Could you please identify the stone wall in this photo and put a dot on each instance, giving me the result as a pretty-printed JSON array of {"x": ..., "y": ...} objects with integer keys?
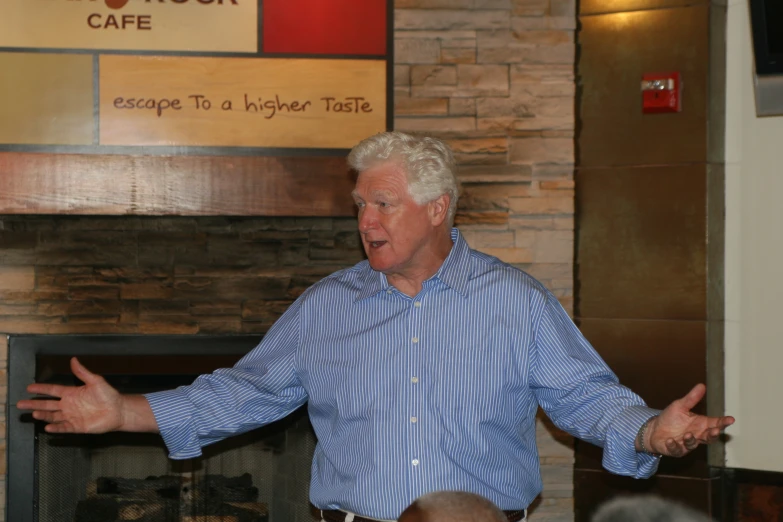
[
  {"x": 182, "y": 275},
  {"x": 494, "y": 78}
]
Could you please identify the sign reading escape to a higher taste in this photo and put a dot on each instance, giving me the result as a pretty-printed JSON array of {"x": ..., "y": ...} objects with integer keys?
[
  {"x": 245, "y": 102},
  {"x": 149, "y": 25}
]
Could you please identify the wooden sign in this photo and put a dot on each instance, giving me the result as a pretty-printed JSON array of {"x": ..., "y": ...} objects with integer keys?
[
  {"x": 115, "y": 79},
  {"x": 247, "y": 102}
]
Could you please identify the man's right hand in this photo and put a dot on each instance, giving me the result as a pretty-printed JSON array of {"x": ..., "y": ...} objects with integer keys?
[{"x": 95, "y": 407}]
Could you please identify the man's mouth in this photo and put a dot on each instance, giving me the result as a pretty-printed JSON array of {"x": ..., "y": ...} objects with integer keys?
[{"x": 376, "y": 244}]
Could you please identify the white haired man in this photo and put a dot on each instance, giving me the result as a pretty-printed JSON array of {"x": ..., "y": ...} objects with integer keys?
[
  {"x": 646, "y": 508},
  {"x": 423, "y": 366}
]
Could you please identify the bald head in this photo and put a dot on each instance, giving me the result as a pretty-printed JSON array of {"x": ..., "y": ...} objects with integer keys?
[
  {"x": 646, "y": 508},
  {"x": 452, "y": 506}
]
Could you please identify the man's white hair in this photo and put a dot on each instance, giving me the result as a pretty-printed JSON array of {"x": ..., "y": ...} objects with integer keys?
[
  {"x": 458, "y": 506},
  {"x": 428, "y": 163},
  {"x": 646, "y": 508}
]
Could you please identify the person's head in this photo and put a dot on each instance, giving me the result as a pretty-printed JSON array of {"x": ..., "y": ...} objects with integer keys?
[
  {"x": 646, "y": 508},
  {"x": 406, "y": 192},
  {"x": 452, "y": 506}
]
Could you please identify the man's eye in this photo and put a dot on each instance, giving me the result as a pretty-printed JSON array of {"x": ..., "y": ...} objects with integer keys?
[
  {"x": 383, "y": 204},
  {"x": 360, "y": 204}
]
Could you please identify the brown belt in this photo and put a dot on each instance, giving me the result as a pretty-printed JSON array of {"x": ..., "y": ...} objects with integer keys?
[{"x": 334, "y": 515}]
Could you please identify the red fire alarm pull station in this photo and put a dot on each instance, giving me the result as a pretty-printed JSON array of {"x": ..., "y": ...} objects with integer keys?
[{"x": 661, "y": 92}]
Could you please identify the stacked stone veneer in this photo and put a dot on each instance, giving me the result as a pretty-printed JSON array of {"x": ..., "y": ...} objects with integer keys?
[
  {"x": 492, "y": 77},
  {"x": 495, "y": 79}
]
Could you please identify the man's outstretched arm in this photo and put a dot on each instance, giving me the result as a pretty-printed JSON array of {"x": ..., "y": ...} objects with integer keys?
[
  {"x": 95, "y": 407},
  {"x": 583, "y": 397}
]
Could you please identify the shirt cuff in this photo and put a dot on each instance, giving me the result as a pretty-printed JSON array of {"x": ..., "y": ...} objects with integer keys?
[
  {"x": 174, "y": 414},
  {"x": 620, "y": 455}
]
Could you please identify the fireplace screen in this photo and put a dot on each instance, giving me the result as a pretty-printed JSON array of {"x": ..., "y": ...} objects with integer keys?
[{"x": 261, "y": 476}]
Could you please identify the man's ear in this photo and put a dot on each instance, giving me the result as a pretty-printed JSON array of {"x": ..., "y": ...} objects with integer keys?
[{"x": 439, "y": 209}]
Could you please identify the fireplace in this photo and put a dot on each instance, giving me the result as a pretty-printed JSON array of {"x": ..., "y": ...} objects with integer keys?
[{"x": 261, "y": 476}]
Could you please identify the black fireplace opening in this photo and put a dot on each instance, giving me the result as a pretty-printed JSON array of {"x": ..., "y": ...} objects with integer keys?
[{"x": 260, "y": 476}]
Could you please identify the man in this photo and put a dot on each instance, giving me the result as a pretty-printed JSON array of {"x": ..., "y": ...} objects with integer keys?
[
  {"x": 423, "y": 367},
  {"x": 452, "y": 506}
]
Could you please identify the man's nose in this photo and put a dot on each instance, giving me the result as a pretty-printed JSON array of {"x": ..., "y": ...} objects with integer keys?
[{"x": 367, "y": 220}]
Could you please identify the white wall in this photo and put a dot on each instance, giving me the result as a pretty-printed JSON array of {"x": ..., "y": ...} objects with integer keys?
[{"x": 754, "y": 262}]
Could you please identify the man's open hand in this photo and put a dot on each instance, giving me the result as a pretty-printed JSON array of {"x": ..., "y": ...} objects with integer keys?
[
  {"x": 677, "y": 430},
  {"x": 95, "y": 407}
]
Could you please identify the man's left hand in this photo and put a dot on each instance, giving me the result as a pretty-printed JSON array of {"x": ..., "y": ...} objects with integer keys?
[{"x": 677, "y": 431}]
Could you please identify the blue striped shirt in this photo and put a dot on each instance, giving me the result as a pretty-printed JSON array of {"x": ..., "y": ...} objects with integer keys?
[{"x": 409, "y": 395}]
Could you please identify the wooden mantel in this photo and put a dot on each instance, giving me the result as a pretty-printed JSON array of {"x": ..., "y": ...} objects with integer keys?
[{"x": 40, "y": 183}]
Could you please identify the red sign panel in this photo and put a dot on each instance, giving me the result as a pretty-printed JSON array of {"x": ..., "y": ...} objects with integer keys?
[{"x": 325, "y": 26}]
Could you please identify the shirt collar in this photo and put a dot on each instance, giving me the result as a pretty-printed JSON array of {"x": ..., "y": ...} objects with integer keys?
[
  {"x": 454, "y": 272},
  {"x": 371, "y": 282}
]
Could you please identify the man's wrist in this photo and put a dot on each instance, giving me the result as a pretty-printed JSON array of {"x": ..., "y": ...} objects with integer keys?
[
  {"x": 643, "y": 437},
  {"x": 136, "y": 415}
]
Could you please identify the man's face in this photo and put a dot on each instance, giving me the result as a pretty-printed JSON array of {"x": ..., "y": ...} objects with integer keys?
[{"x": 395, "y": 230}]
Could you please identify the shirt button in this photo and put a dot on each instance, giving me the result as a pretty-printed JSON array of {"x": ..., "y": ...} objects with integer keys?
[
  {"x": 389, "y": 291},
  {"x": 415, "y": 462},
  {"x": 415, "y": 340},
  {"x": 414, "y": 380},
  {"x": 417, "y": 304},
  {"x": 414, "y": 420}
]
